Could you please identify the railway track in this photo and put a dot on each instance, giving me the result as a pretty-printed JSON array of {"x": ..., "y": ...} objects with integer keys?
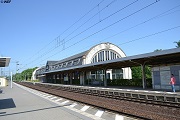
[{"x": 140, "y": 108}]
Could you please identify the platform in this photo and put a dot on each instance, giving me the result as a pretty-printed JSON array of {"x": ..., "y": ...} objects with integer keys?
[
  {"x": 24, "y": 103},
  {"x": 19, "y": 104}
]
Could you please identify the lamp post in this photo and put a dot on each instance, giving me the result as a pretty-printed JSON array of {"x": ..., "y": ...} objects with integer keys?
[
  {"x": 11, "y": 80},
  {"x": 17, "y": 63}
]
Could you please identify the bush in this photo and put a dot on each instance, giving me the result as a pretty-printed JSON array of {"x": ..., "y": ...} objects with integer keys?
[
  {"x": 76, "y": 82},
  {"x": 127, "y": 82}
]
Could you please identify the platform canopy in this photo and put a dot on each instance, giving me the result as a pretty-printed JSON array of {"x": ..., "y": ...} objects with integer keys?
[{"x": 4, "y": 61}]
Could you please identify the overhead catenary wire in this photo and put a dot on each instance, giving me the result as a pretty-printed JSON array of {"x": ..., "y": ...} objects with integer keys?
[
  {"x": 163, "y": 31},
  {"x": 91, "y": 18},
  {"x": 63, "y": 40},
  {"x": 95, "y": 23},
  {"x": 67, "y": 29},
  {"x": 150, "y": 35},
  {"x": 153, "y": 18},
  {"x": 103, "y": 20},
  {"x": 82, "y": 17},
  {"x": 104, "y": 28},
  {"x": 165, "y": 13}
]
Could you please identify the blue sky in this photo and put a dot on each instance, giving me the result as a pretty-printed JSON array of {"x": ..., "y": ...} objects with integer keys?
[{"x": 34, "y": 31}]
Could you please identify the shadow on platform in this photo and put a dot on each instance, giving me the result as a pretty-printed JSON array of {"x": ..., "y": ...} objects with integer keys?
[
  {"x": 35, "y": 110},
  {"x": 7, "y": 103}
]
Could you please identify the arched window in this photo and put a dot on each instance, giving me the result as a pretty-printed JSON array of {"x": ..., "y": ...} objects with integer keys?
[{"x": 105, "y": 55}]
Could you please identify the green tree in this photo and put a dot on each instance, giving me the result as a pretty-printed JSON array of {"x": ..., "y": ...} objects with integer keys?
[
  {"x": 137, "y": 72},
  {"x": 178, "y": 43},
  {"x": 24, "y": 75},
  {"x": 157, "y": 50}
]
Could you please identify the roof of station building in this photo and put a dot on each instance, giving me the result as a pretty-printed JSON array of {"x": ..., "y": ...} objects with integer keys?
[
  {"x": 72, "y": 57},
  {"x": 158, "y": 58},
  {"x": 51, "y": 62},
  {"x": 79, "y": 55}
]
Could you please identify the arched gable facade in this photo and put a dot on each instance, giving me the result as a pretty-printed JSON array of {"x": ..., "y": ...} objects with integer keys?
[
  {"x": 107, "y": 49},
  {"x": 104, "y": 52}
]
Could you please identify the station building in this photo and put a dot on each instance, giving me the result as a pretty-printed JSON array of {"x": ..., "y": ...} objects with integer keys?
[
  {"x": 107, "y": 61},
  {"x": 61, "y": 72}
]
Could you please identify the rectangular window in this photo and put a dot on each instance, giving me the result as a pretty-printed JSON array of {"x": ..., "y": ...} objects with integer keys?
[
  {"x": 119, "y": 76},
  {"x": 98, "y": 76},
  {"x": 93, "y": 61},
  {"x": 75, "y": 62},
  {"x": 113, "y": 76},
  {"x": 113, "y": 56},
  {"x": 54, "y": 76},
  {"x": 60, "y": 65},
  {"x": 107, "y": 55},
  {"x": 102, "y": 55},
  {"x": 99, "y": 57},
  {"x": 93, "y": 77},
  {"x": 57, "y": 67},
  {"x": 57, "y": 76},
  {"x": 65, "y": 64},
  {"x": 69, "y": 63}
]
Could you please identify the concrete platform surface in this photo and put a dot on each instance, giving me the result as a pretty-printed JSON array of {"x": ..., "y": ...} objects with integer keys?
[
  {"x": 23, "y": 103},
  {"x": 19, "y": 104}
]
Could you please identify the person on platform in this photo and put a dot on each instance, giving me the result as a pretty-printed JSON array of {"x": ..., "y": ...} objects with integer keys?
[{"x": 173, "y": 82}]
